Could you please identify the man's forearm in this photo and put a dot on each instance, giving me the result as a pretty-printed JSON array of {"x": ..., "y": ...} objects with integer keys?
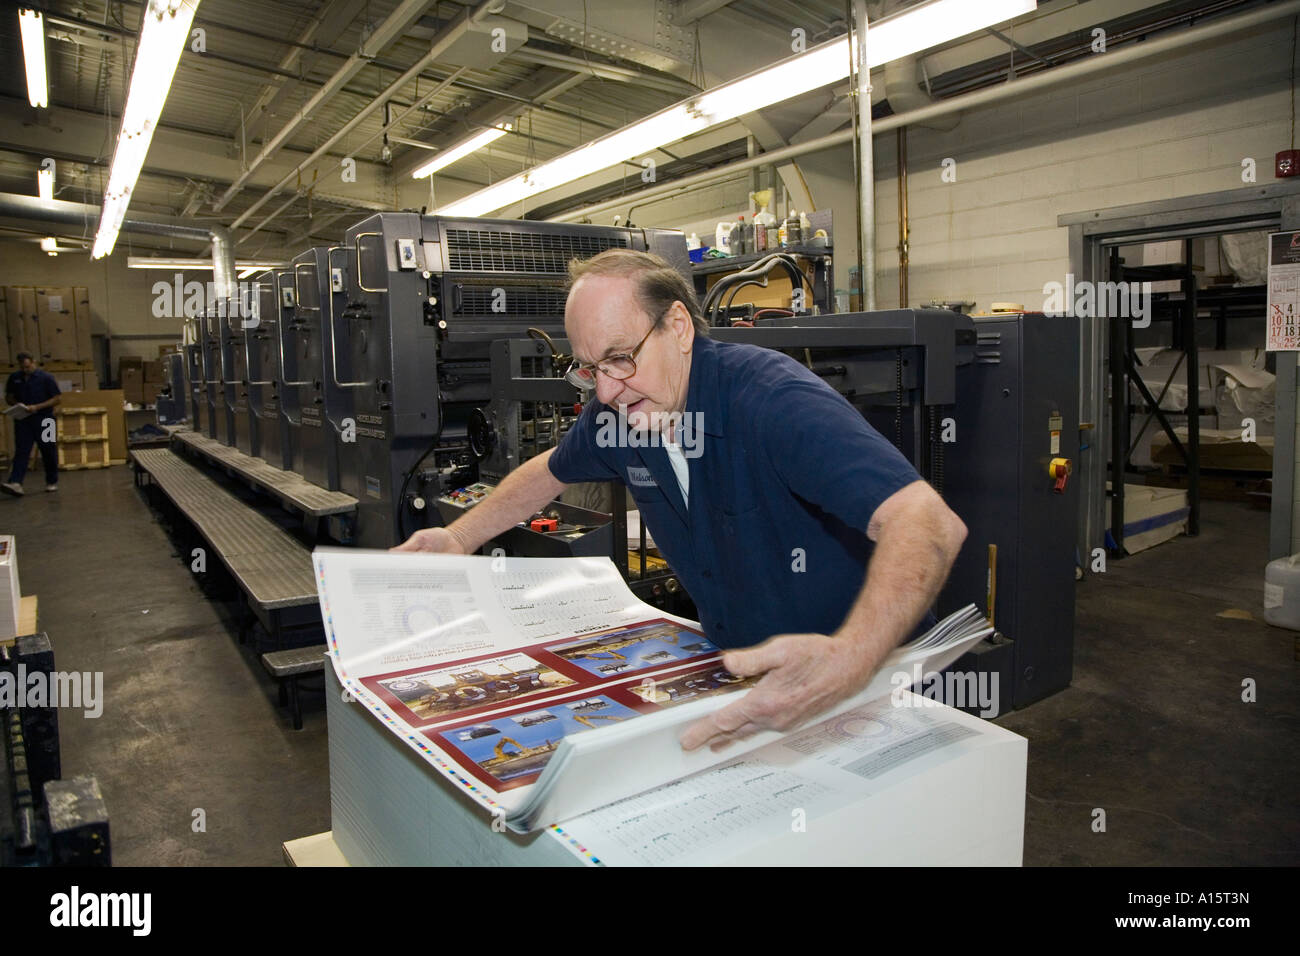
[
  {"x": 519, "y": 496},
  {"x": 910, "y": 563}
]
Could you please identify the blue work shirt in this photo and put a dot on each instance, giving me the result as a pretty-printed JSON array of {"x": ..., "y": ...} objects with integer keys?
[
  {"x": 787, "y": 478},
  {"x": 32, "y": 389}
]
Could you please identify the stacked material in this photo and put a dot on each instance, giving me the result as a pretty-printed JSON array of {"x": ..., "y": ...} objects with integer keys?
[{"x": 9, "y": 592}]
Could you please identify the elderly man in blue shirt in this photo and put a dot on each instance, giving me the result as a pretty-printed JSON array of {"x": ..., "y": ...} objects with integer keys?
[
  {"x": 30, "y": 392},
  {"x": 810, "y": 545}
]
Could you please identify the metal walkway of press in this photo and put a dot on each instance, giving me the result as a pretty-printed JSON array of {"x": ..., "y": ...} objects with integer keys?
[
  {"x": 270, "y": 566},
  {"x": 268, "y": 562},
  {"x": 314, "y": 504}
]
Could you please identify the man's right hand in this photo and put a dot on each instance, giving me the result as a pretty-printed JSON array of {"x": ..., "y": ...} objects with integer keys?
[{"x": 440, "y": 540}]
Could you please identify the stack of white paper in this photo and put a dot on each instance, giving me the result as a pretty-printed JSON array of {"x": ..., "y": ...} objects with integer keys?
[
  {"x": 539, "y": 689},
  {"x": 9, "y": 591}
]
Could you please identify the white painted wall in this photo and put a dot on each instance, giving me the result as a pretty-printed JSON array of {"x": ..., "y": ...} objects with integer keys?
[
  {"x": 1170, "y": 126},
  {"x": 121, "y": 299}
]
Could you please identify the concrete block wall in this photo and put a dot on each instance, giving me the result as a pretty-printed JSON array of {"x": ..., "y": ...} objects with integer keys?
[
  {"x": 1174, "y": 125},
  {"x": 121, "y": 299}
]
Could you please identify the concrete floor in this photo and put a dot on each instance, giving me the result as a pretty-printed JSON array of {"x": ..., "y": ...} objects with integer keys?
[
  {"x": 190, "y": 717},
  {"x": 1153, "y": 729}
]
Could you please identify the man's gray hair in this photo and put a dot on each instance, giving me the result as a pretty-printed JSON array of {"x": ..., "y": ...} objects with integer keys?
[{"x": 658, "y": 284}]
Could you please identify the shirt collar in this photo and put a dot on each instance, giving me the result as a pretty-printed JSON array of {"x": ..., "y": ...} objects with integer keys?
[{"x": 702, "y": 393}]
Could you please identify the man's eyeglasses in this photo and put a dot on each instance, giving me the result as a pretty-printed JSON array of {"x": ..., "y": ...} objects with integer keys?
[{"x": 618, "y": 367}]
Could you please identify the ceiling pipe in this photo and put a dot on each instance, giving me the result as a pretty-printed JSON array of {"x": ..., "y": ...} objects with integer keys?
[
  {"x": 80, "y": 214},
  {"x": 1030, "y": 84},
  {"x": 605, "y": 71}
]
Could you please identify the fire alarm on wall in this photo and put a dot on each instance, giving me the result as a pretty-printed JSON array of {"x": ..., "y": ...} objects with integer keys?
[{"x": 1287, "y": 163}]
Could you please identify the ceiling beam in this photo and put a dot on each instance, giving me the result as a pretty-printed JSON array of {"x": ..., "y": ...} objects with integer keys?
[
  {"x": 407, "y": 12},
  {"x": 687, "y": 12}
]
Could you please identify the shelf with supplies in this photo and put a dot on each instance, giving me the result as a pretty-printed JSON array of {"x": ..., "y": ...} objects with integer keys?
[{"x": 815, "y": 261}]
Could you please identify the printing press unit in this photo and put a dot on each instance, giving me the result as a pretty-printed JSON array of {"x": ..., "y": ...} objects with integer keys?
[
  {"x": 321, "y": 387},
  {"x": 196, "y": 388},
  {"x": 173, "y": 399},
  {"x": 381, "y": 354},
  {"x": 986, "y": 410},
  {"x": 440, "y": 342},
  {"x": 427, "y": 296},
  {"x": 266, "y": 420}
]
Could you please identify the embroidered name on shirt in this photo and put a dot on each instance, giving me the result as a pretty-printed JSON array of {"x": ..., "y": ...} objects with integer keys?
[{"x": 641, "y": 477}]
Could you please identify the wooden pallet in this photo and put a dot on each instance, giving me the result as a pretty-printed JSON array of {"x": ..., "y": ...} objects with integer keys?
[{"x": 83, "y": 438}]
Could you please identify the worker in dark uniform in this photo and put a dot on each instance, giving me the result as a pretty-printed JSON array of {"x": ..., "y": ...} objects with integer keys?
[
  {"x": 34, "y": 391},
  {"x": 793, "y": 524}
]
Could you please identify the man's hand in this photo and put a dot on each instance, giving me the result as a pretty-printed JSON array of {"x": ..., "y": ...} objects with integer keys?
[
  {"x": 803, "y": 675},
  {"x": 441, "y": 540}
]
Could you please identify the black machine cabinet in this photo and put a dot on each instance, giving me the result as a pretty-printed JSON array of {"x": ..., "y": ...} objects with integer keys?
[
  {"x": 262, "y": 348},
  {"x": 426, "y": 297},
  {"x": 324, "y": 398},
  {"x": 174, "y": 399},
  {"x": 234, "y": 379},
  {"x": 294, "y": 372},
  {"x": 1017, "y": 413},
  {"x": 219, "y": 421},
  {"x": 982, "y": 408},
  {"x": 197, "y": 389}
]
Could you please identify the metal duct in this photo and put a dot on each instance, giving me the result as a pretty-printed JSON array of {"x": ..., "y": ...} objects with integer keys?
[{"x": 80, "y": 214}]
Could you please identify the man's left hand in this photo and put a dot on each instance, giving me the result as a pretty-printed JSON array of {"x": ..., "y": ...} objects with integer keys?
[{"x": 803, "y": 675}]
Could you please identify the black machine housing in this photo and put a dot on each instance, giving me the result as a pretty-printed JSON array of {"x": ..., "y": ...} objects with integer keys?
[
  {"x": 981, "y": 407},
  {"x": 427, "y": 295},
  {"x": 322, "y": 388}
]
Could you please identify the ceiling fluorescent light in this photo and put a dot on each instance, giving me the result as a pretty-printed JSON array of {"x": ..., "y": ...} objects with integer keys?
[
  {"x": 45, "y": 183},
  {"x": 461, "y": 150},
  {"x": 51, "y": 245},
  {"x": 918, "y": 28},
  {"x": 32, "y": 27},
  {"x": 163, "y": 33},
  {"x": 173, "y": 263}
]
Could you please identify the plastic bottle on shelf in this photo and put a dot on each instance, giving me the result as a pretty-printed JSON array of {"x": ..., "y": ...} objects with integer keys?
[
  {"x": 722, "y": 237},
  {"x": 764, "y": 222},
  {"x": 793, "y": 230},
  {"x": 692, "y": 241},
  {"x": 805, "y": 227},
  {"x": 738, "y": 237}
]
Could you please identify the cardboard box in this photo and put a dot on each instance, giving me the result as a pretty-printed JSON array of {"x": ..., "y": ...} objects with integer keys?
[
  {"x": 58, "y": 338},
  {"x": 56, "y": 317},
  {"x": 81, "y": 316},
  {"x": 133, "y": 384},
  {"x": 151, "y": 390},
  {"x": 54, "y": 300},
  {"x": 20, "y": 318},
  {"x": 9, "y": 589},
  {"x": 76, "y": 381},
  {"x": 5, "y": 357},
  {"x": 68, "y": 381},
  {"x": 153, "y": 371}
]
